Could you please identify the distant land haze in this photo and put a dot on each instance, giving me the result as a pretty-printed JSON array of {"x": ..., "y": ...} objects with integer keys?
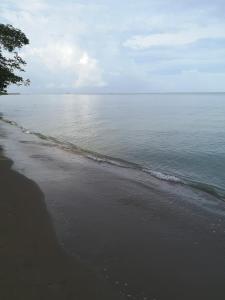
[{"x": 113, "y": 93}]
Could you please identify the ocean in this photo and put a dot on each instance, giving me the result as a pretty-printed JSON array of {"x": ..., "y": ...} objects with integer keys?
[
  {"x": 145, "y": 237},
  {"x": 174, "y": 137}
]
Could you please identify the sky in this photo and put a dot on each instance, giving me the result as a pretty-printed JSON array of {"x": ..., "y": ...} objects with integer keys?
[{"x": 106, "y": 46}]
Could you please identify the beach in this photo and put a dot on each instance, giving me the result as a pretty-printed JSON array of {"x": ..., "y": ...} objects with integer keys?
[
  {"x": 33, "y": 265},
  {"x": 81, "y": 229},
  {"x": 112, "y": 150}
]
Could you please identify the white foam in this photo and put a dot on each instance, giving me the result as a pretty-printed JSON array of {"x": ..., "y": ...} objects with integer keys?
[
  {"x": 162, "y": 176},
  {"x": 104, "y": 160}
]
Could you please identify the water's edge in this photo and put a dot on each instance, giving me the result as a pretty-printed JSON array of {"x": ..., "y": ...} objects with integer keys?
[{"x": 100, "y": 158}]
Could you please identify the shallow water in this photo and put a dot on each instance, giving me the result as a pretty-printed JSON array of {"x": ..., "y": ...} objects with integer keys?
[
  {"x": 149, "y": 239},
  {"x": 181, "y": 135}
]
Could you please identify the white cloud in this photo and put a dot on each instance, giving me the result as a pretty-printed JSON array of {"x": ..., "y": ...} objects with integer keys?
[
  {"x": 89, "y": 73},
  {"x": 82, "y": 45},
  {"x": 185, "y": 37},
  {"x": 54, "y": 41},
  {"x": 70, "y": 59},
  {"x": 55, "y": 55},
  {"x": 32, "y": 6}
]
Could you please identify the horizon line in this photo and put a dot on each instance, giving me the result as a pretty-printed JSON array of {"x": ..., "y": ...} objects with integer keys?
[{"x": 110, "y": 93}]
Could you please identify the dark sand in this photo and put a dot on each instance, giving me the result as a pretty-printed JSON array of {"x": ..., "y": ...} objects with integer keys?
[
  {"x": 149, "y": 239},
  {"x": 32, "y": 264}
]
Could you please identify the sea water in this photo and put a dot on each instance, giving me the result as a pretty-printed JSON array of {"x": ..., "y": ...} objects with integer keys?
[{"x": 176, "y": 137}]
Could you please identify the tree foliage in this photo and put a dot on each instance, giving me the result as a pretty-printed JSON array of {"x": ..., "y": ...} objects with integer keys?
[{"x": 11, "y": 63}]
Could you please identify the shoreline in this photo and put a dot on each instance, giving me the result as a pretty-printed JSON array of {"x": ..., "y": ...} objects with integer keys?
[
  {"x": 148, "y": 239},
  {"x": 209, "y": 188},
  {"x": 33, "y": 265}
]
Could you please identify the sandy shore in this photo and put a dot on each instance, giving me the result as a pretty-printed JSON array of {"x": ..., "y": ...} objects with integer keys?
[
  {"x": 147, "y": 238},
  {"x": 32, "y": 264}
]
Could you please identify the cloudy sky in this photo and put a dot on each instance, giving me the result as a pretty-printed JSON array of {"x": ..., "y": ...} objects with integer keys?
[{"x": 121, "y": 46}]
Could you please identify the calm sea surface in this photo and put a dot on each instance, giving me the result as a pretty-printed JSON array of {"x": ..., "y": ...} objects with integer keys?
[{"x": 181, "y": 135}]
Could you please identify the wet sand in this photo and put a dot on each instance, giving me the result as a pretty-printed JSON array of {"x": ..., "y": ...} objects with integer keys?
[
  {"x": 147, "y": 238},
  {"x": 32, "y": 264}
]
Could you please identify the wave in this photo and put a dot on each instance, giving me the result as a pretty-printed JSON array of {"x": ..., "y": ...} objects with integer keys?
[
  {"x": 163, "y": 176},
  {"x": 100, "y": 158}
]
